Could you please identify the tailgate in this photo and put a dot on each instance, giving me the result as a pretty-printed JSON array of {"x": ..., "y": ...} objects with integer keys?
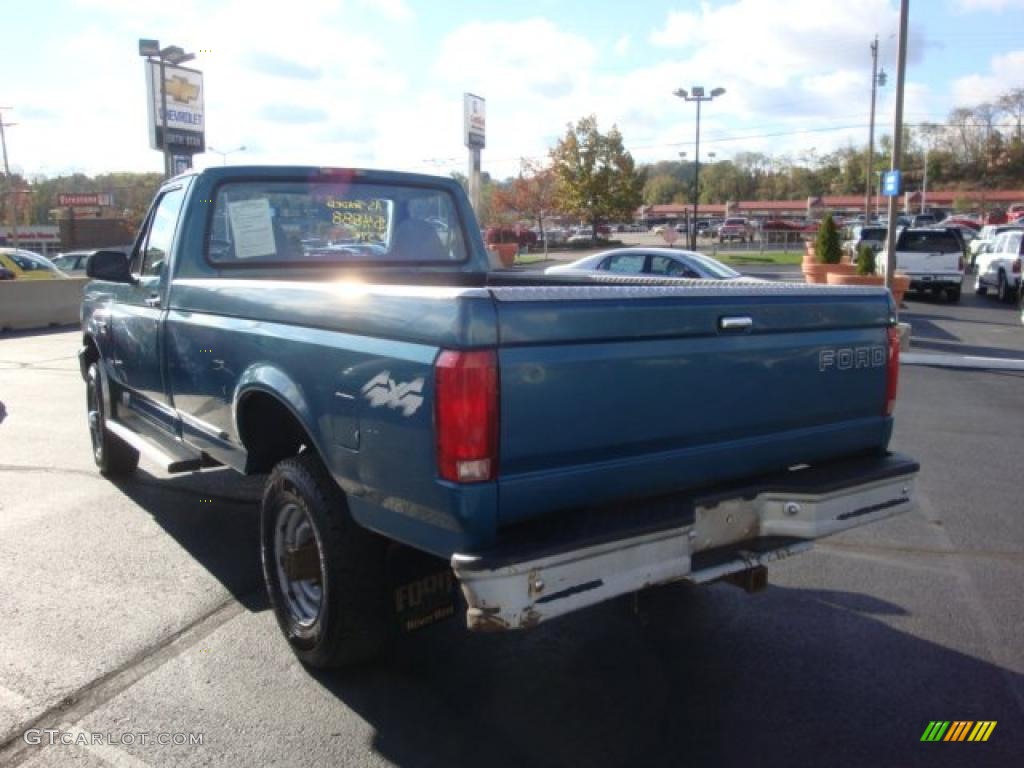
[
  {"x": 927, "y": 263},
  {"x": 614, "y": 392}
]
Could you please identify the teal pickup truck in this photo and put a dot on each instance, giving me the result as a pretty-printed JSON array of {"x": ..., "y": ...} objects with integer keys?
[{"x": 440, "y": 435}]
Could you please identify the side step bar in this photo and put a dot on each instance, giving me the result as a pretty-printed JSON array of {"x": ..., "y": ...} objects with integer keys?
[{"x": 169, "y": 454}]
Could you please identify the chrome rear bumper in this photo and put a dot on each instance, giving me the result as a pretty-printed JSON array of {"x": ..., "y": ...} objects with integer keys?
[{"x": 724, "y": 535}]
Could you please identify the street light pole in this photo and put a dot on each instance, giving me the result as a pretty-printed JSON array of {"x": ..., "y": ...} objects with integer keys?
[
  {"x": 697, "y": 94},
  {"x": 224, "y": 155}
]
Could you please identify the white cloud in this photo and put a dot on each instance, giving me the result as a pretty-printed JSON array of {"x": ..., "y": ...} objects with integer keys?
[
  {"x": 681, "y": 28},
  {"x": 622, "y": 45},
  {"x": 969, "y": 6},
  {"x": 1005, "y": 72},
  {"x": 395, "y": 10}
]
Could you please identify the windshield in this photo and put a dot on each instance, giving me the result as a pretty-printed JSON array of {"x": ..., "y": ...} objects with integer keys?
[
  {"x": 304, "y": 222},
  {"x": 716, "y": 268},
  {"x": 29, "y": 261}
]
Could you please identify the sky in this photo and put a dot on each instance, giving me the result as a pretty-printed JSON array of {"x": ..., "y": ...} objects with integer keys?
[{"x": 380, "y": 83}]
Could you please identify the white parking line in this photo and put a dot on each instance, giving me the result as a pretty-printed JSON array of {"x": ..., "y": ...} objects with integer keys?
[
  {"x": 962, "y": 361},
  {"x": 109, "y": 754}
]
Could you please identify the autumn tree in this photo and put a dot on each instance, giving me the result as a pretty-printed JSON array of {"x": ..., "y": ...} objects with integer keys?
[
  {"x": 530, "y": 196},
  {"x": 596, "y": 178}
]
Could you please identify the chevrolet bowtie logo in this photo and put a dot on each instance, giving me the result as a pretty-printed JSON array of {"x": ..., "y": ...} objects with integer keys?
[{"x": 180, "y": 89}]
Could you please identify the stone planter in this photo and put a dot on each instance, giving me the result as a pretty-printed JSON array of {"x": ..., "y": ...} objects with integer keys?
[
  {"x": 839, "y": 278},
  {"x": 507, "y": 252},
  {"x": 818, "y": 273},
  {"x": 900, "y": 286}
]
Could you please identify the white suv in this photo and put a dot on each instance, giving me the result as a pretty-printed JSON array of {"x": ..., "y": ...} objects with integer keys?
[{"x": 999, "y": 265}]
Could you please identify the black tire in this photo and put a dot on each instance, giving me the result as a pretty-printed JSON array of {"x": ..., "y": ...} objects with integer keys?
[
  {"x": 1003, "y": 292},
  {"x": 353, "y": 621},
  {"x": 112, "y": 455},
  {"x": 953, "y": 294}
]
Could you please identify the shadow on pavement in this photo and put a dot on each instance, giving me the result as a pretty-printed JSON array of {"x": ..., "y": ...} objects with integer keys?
[
  {"x": 48, "y": 331},
  {"x": 957, "y": 348},
  {"x": 700, "y": 677},
  {"x": 214, "y": 516}
]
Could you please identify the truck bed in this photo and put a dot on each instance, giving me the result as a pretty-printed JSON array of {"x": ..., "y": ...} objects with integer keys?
[{"x": 611, "y": 388}]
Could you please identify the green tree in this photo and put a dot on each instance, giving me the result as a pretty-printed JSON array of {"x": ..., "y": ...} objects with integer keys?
[
  {"x": 597, "y": 178},
  {"x": 827, "y": 247},
  {"x": 664, "y": 188}
]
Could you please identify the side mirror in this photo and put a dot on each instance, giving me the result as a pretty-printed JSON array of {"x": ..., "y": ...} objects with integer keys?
[{"x": 111, "y": 266}]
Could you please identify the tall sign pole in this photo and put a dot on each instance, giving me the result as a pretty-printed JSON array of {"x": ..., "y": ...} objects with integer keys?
[
  {"x": 897, "y": 147},
  {"x": 475, "y": 136},
  {"x": 12, "y": 199}
]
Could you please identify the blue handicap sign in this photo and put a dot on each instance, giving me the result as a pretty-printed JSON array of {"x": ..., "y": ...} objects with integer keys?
[{"x": 892, "y": 184}]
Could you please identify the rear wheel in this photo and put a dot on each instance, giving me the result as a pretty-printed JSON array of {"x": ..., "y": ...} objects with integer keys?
[
  {"x": 324, "y": 573},
  {"x": 1003, "y": 290},
  {"x": 112, "y": 455}
]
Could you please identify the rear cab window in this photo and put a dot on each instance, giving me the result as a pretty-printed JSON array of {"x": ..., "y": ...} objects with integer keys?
[
  {"x": 928, "y": 242},
  {"x": 306, "y": 223}
]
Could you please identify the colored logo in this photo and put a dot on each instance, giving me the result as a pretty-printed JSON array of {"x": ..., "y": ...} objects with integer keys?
[
  {"x": 958, "y": 730},
  {"x": 180, "y": 89}
]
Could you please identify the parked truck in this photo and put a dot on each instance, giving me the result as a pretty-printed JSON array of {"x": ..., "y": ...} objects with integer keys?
[{"x": 440, "y": 436}]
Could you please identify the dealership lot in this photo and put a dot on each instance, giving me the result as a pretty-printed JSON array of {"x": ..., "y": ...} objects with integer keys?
[{"x": 137, "y": 608}]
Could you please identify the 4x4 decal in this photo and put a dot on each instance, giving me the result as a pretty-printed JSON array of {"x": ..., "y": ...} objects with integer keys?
[{"x": 383, "y": 390}]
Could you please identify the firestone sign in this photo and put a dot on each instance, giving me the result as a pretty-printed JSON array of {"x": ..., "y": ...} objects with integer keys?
[
  {"x": 84, "y": 199},
  {"x": 186, "y": 125}
]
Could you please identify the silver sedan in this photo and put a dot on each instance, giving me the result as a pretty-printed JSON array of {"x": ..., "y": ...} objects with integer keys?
[{"x": 649, "y": 262}]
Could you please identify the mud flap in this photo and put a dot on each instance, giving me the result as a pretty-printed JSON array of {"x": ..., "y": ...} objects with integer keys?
[{"x": 422, "y": 587}]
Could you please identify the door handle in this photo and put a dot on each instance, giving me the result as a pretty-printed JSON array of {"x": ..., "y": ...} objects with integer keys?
[
  {"x": 152, "y": 300},
  {"x": 735, "y": 323}
]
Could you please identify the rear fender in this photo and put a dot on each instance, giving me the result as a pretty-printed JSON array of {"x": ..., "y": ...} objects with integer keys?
[{"x": 271, "y": 380}]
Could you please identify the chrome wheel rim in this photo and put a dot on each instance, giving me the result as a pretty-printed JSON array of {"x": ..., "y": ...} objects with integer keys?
[
  {"x": 95, "y": 417},
  {"x": 303, "y": 597}
]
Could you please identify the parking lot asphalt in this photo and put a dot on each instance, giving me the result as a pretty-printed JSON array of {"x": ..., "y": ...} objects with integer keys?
[{"x": 137, "y": 607}]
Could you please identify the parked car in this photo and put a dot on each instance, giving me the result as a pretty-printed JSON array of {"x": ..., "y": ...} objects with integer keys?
[
  {"x": 650, "y": 262},
  {"x": 872, "y": 236},
  {"x": 999, "y": 266},
  {"x": 986, "y": 236},
  {"x": 74, "y": 262},
  {"x": 735, "y": 229},
  {"x": 932, "y": 257},
  {"x": 29, "y": 265}
]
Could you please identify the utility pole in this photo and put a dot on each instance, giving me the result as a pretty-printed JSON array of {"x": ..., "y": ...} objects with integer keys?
[
  {"x": 897, "y": 143},
  {"x": 868, "y": 184},
  {"x": 924, "y": 180},
  {"x": 12, "y": 208}
]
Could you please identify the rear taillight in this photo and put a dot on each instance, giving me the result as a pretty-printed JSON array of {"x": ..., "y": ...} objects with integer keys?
[
  {"x": 466, "y": 411},
  {"x": 892, "y": 370},
  {"x": 1016, "y": 266}
]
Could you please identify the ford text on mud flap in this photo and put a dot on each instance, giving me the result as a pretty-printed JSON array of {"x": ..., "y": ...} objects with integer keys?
[{"x": 701, "y": 539}]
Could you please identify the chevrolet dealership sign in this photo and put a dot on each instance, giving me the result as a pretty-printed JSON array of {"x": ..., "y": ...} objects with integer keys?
[{"x": 186, "y": 119}]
